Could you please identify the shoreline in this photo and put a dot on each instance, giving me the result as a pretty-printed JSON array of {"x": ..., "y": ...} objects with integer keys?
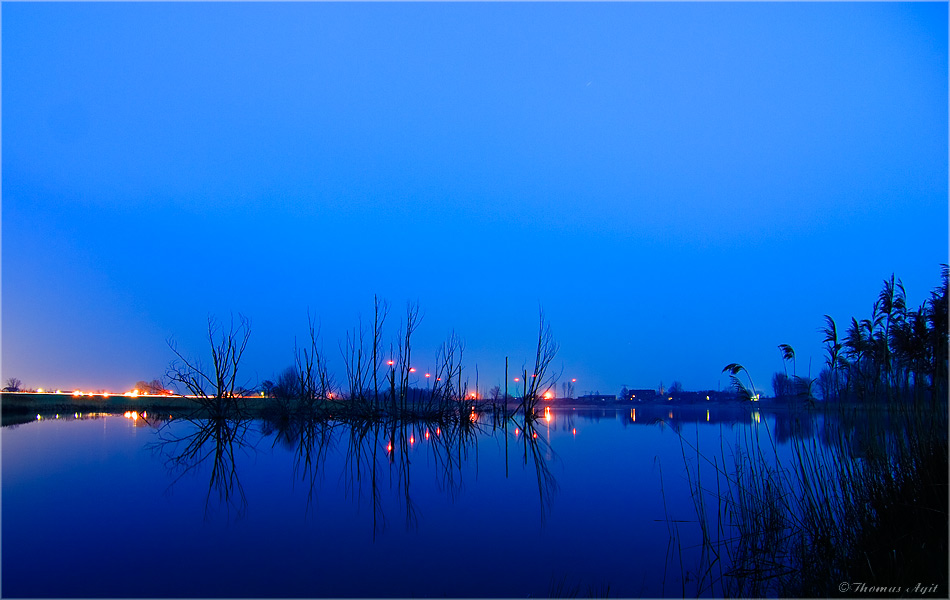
[{"x": 22, "y": 407}]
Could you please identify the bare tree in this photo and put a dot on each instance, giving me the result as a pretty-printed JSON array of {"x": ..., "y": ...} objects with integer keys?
[
  {"x": 362, "y": 364},
  {"x": 214, "y": 387},
  {"x": 354, "y": 360},
  {"x": 380, "y": 310},
  {"x": 540, "y": 378},
  {"x": 405, "y": 352},
  {"x": 153, "y": 387},
  {"x": 448, "y": 369},
  {"x": 314, "y": 382},
  {"x": 12, "y": 385}
]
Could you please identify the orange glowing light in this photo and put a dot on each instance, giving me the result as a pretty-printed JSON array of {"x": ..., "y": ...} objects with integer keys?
[
  {"x": 516, "y": 431},
  {"x": 412, "y": 369},
  {"x": 427, "y": 434},
  {"x": 548, "y": 395},
  {"x": 389, "y": 447},
  {"x": 574, "y": 431},
  {"x": 573, "y": 381},
  {"x": 535, "y": 436},
  {"x": 412, "y": 439},
  {"x": 77, "y": 393},
  {"x": 438, "y": 431},
  {"x": 390, "y": 363},
  {"x": 427, "y": 375},
  {"x": 517, "y": 379}
]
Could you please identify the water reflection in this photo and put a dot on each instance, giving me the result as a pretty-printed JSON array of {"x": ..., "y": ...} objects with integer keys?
[
  {"x": 537, "y": 453},
  {"x": 323, "y": 487},
  {"x": 215, "y": 441},
  {"x": 309, "y": 439},
  {"x": 380, "y": 454}
]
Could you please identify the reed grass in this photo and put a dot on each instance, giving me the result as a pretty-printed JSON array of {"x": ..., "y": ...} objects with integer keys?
[{"x": 848, "y": 508}]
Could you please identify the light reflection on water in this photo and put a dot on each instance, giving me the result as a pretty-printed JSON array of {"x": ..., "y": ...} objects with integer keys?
[{"x": 298, "y": 508}]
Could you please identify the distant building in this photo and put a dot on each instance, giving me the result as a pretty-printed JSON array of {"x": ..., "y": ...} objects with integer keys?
[
  {"x": 640, "y": 396},
  {"x": 679, "y": 396},
  {"x": 597, "y": 398}
]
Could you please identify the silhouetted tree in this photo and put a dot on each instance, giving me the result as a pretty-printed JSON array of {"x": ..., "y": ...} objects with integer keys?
[
  {"x": 149, "y": 387},
  {"x": 267, "y": 388},
  {"x": 287, "y": 386},
  {"x": 12, "y": 385},
  {"x": 539, "y": 379},
  {"x": 781, "y": 385},
  {"x": 215, "y": 387}
]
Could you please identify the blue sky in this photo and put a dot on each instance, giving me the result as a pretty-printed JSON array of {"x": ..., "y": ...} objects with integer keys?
[{"x": 680, "y": 186}]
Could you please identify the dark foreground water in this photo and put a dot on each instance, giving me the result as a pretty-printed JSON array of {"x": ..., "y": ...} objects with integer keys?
[{"x": 111, "y": 506}]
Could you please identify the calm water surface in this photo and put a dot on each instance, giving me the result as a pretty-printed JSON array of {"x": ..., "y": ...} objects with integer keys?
[{"x": 111, "y": 506}]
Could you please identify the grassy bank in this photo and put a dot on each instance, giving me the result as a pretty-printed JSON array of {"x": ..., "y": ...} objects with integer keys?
[{"x": 23, "y": 407}]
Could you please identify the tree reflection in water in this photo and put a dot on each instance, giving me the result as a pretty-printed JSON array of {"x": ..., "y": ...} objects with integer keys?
[
  {"x": 536, "y": 452},
  {"x": 214, "y": 440},
  {"x": 379, "y": 454},
  {"x": 309, "y": 438},
  {"x": 380, "y": 451}
]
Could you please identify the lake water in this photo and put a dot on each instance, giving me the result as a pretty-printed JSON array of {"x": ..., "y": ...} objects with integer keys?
[{"x": 112, "y": 506}]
